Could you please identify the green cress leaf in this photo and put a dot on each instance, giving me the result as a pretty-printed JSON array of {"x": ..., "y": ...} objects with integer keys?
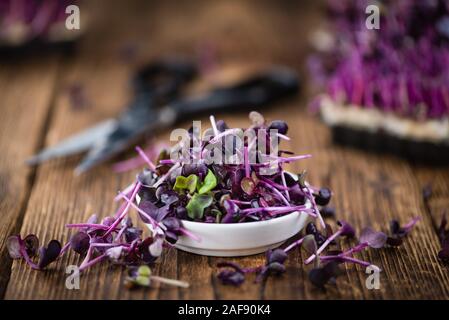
[
  {"x": 189, "y": 183},
  {"x": 143, "y": 281},
  {"x": 144, "y": 271},
  {"x": 210, "y": 182},
  {"x": 192, "y": 182},
  {"x": 199, "y": 202},
  {"x": 180, "y": 184}
]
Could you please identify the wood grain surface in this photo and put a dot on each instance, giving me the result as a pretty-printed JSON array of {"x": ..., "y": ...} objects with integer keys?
[{"x": 36, "y": 111}]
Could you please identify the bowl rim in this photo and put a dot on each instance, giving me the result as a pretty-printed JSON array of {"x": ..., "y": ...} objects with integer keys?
[{"x": 241, "y": 224}]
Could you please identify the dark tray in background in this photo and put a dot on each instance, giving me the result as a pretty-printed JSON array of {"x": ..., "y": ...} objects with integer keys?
[{"x": 382, "y": 142}]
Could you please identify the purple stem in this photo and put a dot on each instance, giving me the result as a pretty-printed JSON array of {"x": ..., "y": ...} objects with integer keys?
[
  {"x": 120, "y": 233},
  {"x": 315, "y": 207},
  {"x": 110, "y": 245},
  {"x": 64, "y": 249},
  {"x": 145, "y": 158},
  {"x": 287, "y": 194},
  {"x": 305, "y": 210},
  {"x": 92, "y": 262},
  {"x": 240, "y": 202},
  {"x": 87, "y": 257},
  {"x": 167, "y": 161},
  {"x": 127, "y": 191},
  {"x": 274, "y": 184},
  {"x": 347, "y": 259},
  {"x": 87, "y": 225},
  {"x": 295, "y": 158},
  {"x": 190, "y": 235},
  {"x": 323, "y": 246},
  {"x": 308, "y": 211},
  {"x": 223, "y": 134},
  {"x": 27, "y": 257},
  {"x": 165, "y": 176},
  {"x": 276, "y": 192},
  {"x": 294, "y": 244},
  {"x": 121, "y": 208},
  {"x": 355, "y": 249},
  {"x": 410, "y": 225},
  {"x": 137, "y": 161},
  {"x": 277, "y": 210},
  {"x": 123, "y": 214},
  {"x": 282, "y": 136},
  {"x": 153, "y": 222}
]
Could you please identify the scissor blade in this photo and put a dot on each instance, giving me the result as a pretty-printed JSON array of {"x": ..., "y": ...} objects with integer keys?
[
  {"x": 106, "y": 149},
  {"x": 130, "y": 127},
  {"x": 76, "y": 143}
]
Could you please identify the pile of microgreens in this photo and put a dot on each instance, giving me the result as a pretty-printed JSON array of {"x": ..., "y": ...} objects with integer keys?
[
  {"x": 170, "y": 191},
  {"x": 402, "y": 69},
  {"x": 27, "y": 20}
]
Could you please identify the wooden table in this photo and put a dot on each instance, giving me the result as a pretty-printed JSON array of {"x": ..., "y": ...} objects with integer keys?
[{"x": 36, "y": 111}]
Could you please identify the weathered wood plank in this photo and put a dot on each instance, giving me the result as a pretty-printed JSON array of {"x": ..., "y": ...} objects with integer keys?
[{"x": 26, "y": 92}]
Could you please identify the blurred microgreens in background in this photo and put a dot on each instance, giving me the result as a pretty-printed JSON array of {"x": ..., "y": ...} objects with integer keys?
[
  {"x": 23, "y": 21},
  {"x": 400, "y": 69}
]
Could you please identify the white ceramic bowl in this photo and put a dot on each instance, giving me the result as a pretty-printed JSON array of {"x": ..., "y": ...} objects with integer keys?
[{"x": 240, "y": 239}]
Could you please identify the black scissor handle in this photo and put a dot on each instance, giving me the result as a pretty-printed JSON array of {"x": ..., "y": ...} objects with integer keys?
[
  {"x": 257, "y": 91},
  {"x": 164, "y": 78}
]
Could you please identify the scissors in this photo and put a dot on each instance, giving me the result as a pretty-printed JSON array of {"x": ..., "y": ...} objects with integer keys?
[{"x": 158, "y": 103}]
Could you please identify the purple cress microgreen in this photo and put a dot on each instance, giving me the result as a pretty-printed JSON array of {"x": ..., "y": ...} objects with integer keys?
[
  {"x": 320, "y": 276},
  {"x": 145, "y": 158},
  {"x": 28, "y": 247},
  {"x": 294, "y": 244},
  {"x": 372, "y": 238},
  {"x": 345, "y": 230},
  {"x": 231, "y": 274},
  {"x": 401, "y": 231}
]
